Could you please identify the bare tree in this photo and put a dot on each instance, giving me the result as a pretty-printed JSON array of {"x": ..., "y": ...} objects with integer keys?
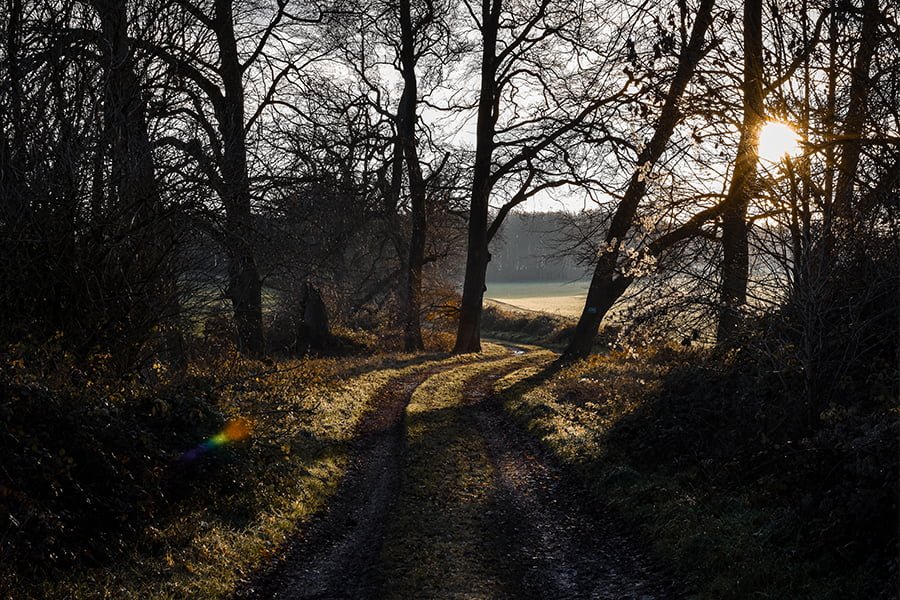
[
  {"x": 523, "y": 149},
  {"x": 414, "y": 40},
  {"x": 87, "y": 224},
  {"x": 830, "y": 300},
  {"x": 607, "y": 284},
  {"x": 406, "y": 132},
  {"x": 215, "y": 98},
  {"x": 854, "y": 121},
  {"x": 735, "y": 260}
]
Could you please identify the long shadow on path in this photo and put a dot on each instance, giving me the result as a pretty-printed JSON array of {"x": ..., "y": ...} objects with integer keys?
[
  {"x": 333, "y": 557},
  {"x": 560, "y": 541}
]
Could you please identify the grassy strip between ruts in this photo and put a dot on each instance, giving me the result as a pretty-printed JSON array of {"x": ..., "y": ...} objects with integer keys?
[
  {"x": 304, "y": 413},
  {"x": 720, "y": 541},
  {"x": 437, "y": 541}
]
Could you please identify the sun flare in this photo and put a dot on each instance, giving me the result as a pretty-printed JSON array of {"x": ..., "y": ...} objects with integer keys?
[{"x": 777, "y": 140}]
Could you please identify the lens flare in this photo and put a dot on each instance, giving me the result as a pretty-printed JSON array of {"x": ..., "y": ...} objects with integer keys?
[{"x": 234, "y": 431}]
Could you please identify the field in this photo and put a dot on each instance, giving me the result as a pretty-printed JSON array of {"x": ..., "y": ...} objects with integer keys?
[{"x": 564, "y": 298}]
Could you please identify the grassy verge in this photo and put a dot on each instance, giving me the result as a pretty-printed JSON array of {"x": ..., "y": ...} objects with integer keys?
[
  {"x": 536, "y": 328},
  {"x": 437, "y": 543},
  {"x": 527, "y": 327},
  {"x": 687, "y": 452},
  {"x": 193, "y": 523}
]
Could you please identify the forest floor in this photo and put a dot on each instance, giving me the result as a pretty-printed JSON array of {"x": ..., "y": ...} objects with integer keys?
[
  {"x": 641, "y": 475},
  {"x": 447, "y": 496}
]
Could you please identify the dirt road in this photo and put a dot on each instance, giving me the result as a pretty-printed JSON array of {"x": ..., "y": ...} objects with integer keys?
[{"x": 446, "y": 497}]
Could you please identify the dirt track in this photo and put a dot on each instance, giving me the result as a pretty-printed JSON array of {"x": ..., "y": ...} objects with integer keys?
[
  {"x": 538, "y": 536},
  {"x": 563, "y": 544}
]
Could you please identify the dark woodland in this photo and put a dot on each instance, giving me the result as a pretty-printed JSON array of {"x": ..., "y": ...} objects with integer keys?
[{"x": 250, "y": 348}]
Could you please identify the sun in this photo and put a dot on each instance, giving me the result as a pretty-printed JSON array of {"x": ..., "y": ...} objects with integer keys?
[{"x": 777, "y": 140}]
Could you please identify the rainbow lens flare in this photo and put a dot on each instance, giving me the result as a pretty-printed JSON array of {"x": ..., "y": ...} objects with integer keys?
[{"x": 234, "y": 431}]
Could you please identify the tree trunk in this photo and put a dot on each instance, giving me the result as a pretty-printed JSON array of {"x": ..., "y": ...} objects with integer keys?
[
  {"x": 412, "y": 332},
  {"x": 735, "y": 259},
  {"x": 856, "y": 116},
  {"x": 735, "y": 271},
  {"x": 13, "y": 151},
  {"x": 131, "y": 152},
  {"x": 606, "y": 287},
  {"x": 603, "y": 292},
  {"x": 315, "y": 333},
  {"x": 468, "y": 334},
  {"x": 136, "y": 276},
  {"x": 406, "y": 129},
  {"x": 829, "y": 122},
  {"x": 244, "y": 286}
]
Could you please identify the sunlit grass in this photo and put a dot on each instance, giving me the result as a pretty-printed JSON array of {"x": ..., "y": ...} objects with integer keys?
[
  {"x": 715, "y": 536},
  {"x": 437, "y": 544},
  {"x": 303, "y": 413}
]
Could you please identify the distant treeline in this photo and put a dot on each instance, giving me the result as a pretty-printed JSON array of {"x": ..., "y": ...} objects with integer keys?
[{"x": 531, "y": 248}]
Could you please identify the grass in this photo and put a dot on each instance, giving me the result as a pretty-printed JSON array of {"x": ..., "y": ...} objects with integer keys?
[
  {"x": 555, "y": 297},
  {"x": 503, "y": 322},
  {"x": 219, "y": 517},
  {"x": 438, "y": 542},
  {"x": 730, "y": 534},
  {"x": 667, "y": 438},
  {"x": 525, "y": 327},
  {"x": 561, "y": 299}
]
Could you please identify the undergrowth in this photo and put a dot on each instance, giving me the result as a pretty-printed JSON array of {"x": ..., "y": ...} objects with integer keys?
[
  {"x": 713, "y": 459},
  {"x": 537, "y": 328},
  {"x": 169, "y": 484},
  {"x": 527, "y": 327}
]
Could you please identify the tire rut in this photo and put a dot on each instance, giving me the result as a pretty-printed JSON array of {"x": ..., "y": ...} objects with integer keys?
[
  {"x": 545, "y": 538},
  {"x": 559, "y": 542},
  {"x": 441, "y": 541},
  {"x": 334, "y": 556}
]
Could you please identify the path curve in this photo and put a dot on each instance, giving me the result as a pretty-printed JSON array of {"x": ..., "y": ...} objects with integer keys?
[
  {"x": 334, "y": 557},
  {"x": 546, "y": 538}
]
